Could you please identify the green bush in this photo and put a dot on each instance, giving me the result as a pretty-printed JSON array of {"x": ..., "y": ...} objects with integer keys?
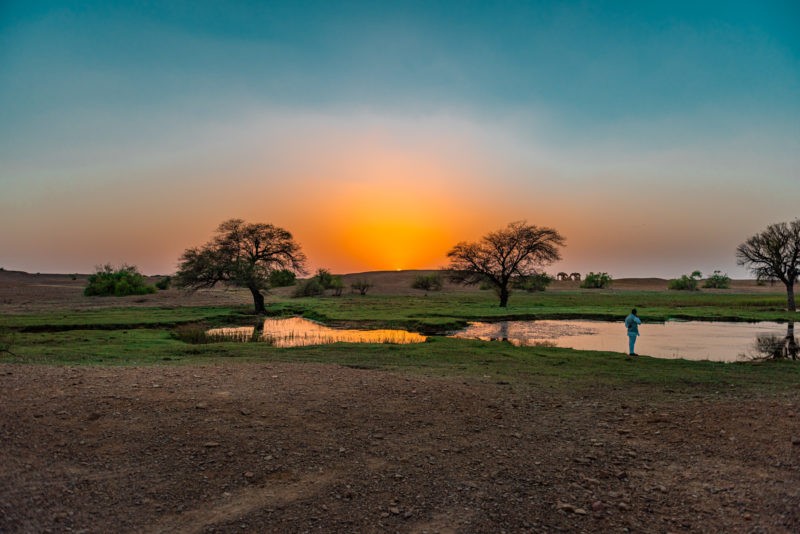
[
  {"x": 121, "y": 282},
  {"x": 429, "y": 282},
  {"x": 282, "y": 278},
  {"x": 164, "y": 283},
  {"x": 534, "y": 282},
  {"x": 686, "y": 282},
  {"x": 336, "y": 285},
  {"x": 309, "y": 288},
  {"x": 597, "y": 281},
  {"x": 718, "y": 281},
  {"x": 325, "y": 278}
]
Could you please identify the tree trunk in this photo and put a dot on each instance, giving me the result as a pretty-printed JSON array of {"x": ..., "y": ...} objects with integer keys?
[
  {"x": 504, "y": 296},
  {"x": 790, "y": 297},
  {"x": 258, "y": 300}
]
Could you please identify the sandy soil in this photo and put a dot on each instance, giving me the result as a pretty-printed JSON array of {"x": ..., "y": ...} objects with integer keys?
[{"x": 323, "y": 448}]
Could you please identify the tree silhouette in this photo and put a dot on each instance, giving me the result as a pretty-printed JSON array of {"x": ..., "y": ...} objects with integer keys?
[
  {"x": 500, "y": 257},
  {"x": 774, "y": 254},
  {"x": 241, "y": 254}
]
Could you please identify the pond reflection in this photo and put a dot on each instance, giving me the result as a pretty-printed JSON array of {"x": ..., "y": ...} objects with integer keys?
[
  {"x": 771, "y": 347},
  {"x": 298, "y": 332},
  {"x": 691, "y": 340}
]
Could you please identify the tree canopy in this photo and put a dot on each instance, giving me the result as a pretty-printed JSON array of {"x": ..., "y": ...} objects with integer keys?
[
  {"x": 241, "y": 254},
  {"x": 774, "y": 254},
  {"x": 500, "y": 257}
]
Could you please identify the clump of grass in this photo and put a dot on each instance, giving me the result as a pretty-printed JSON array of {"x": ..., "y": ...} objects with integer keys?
[{"x": 196, "y": 334}]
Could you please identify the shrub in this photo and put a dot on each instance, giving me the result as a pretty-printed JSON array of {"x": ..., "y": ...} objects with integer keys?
[
  {"x": 430, "y": 282},
  {"x": 718, "y": 281},
  {"x": 534, "y": 282},
  {"x": 686, "y": 282},
  {"x": 164, "y": 283},
  {"x": 282, "y": 278},
  {"x": 337, "y": 286},
  {"x": 597, "y": 281},
  {"x": 309, "y": 288},
  {"x": 325, "y": 278},
  {"x": 121, "y": 282},
  {"x": 361, "y": 285}
]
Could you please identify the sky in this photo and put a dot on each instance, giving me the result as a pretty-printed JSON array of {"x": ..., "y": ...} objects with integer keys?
[{"x": 654, "y": 136}]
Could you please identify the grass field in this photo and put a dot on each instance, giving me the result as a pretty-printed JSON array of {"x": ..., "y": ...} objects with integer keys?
[{"x": 145, "y": 336}]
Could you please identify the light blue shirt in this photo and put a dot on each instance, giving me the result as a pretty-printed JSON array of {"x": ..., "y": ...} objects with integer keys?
[{"x": 632, "y": 324}]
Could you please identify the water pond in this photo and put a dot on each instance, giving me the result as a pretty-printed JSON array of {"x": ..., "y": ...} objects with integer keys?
[
  {"x": 691, "y": 340},
  {"x": 299, "y": 332}
]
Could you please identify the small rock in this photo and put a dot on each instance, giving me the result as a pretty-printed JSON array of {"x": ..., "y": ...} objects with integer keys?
[
  {"x": 623, "y": 505},
  {"x": 565, "y": 507},
  {"x": 598, "y": 506},
  {"x": 249, "y": 474},
  {"x": 580, "y": 511},
  {"x": 394, "y": 510},
  {"x": 245, "y": 411},
  {"x": 201, "y": 405},
  {"x": 796, "y": 440},
  {"x": 210, "y": 444}
]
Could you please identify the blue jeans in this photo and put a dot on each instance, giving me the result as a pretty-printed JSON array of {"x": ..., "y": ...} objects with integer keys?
[{"x": 631, "y": 343}]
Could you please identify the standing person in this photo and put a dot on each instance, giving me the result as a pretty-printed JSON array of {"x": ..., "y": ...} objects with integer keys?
[{"x": 632, "y": 323}]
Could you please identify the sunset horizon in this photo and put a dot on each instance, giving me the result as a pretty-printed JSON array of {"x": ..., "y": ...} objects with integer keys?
[{"x": 655, "y": 138}]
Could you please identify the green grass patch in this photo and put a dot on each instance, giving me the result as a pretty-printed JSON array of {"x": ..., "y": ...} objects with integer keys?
[
  {"x": 118, "y": 318},
  {"x": 500, "y": 362}
]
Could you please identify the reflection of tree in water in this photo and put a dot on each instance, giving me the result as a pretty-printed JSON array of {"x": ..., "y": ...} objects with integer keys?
[{"x": 776, "y": 347}]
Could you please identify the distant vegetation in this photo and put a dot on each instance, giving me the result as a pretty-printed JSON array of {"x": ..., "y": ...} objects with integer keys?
[
  {"x": 686, "y": 282},
  {"x": 121, "y": 282},
  {"x": 309, "y": 288},
  {"x": 428, "y": 282},
  {"x": 164, "y": 283},
  {"x": 319, "y": 283},
  {"x": 597, "y": 281},
  {"x": 534, "y": 282},
  {"x": 718, "y": 281},
  {"x": 361, "y": 285}
]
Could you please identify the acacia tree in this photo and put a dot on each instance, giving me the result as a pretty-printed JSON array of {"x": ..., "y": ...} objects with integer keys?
[
  {"x": 500, "y": 257},
  {"x": 241, "y": 254},
  {"x": 774, "y": 254}
]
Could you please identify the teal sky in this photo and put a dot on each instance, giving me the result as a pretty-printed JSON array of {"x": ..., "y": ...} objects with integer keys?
[{"x": 655, "y": 135}]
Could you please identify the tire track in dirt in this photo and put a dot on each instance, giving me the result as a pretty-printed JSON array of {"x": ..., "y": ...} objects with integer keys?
[{"x": 245, "y": 501}]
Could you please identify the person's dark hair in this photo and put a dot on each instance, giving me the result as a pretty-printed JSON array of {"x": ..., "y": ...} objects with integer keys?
[{"x": 633, "y": 311}]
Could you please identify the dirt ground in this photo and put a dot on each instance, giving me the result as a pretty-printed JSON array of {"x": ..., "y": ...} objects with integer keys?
[{"x": 280, "y": 447}]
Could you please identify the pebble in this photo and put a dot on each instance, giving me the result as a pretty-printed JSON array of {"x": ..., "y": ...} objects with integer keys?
[
  {"x": 796, "y": 440},
  {"x": 598, "y": 506},
  {"x": 565, "y": 507}
]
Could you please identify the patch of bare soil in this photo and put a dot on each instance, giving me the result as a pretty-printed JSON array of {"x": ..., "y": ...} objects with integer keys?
[{"x": 322, "y": 448}]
